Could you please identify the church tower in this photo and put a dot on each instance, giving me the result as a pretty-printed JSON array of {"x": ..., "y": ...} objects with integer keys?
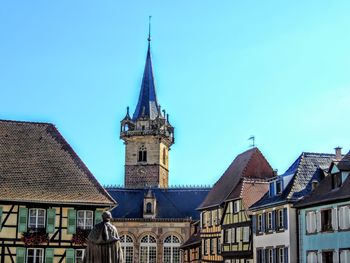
[{"x": 148, "y": 136}]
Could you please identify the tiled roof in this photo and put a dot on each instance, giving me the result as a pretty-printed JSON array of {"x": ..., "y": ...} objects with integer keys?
[
  {"x": 344, "y": 163},
  {"x": 171, "y": 202},
  {"x": 324, "y": 193},
  {"x": 193, "y": 241},
  {"x": 147, "y": 105},
  {"x": 38, "y": 165},
  {"x": 302, "y": 171},
  {"x": 249, "y": 164}
]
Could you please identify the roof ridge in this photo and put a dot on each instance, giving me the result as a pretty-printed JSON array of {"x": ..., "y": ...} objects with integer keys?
[{"x": 27, "y": 122}]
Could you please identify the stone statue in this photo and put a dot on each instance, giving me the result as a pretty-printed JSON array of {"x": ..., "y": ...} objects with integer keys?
[{"x": 103, "y": 245}]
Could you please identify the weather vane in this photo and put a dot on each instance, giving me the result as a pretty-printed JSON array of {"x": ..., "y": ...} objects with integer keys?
[
  {"x": 149, "y": 28},
  {"x": 252, "y": 138}
]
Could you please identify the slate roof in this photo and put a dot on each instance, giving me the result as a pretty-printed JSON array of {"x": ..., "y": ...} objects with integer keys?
[
  {"x": 38, "y": 165},
  {"x": 324, "y": 193},
  {"x": 147, "y": 105},
  {"x": 193, "y": 241},
  {"x": 250, "y": 164},
  {"x": 172, "y": 203},
  {"x": 305, "y": 168}
]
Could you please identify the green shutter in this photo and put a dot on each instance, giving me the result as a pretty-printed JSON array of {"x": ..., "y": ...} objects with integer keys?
[
  {"x": 70, "y": 255},
  {"x": 0, "y": 217},
  {"x": 98, "y": 216},
  {"x": 20, "y": 255},
  {"x": 50, "y": 220},
  {"x": 72, "y": 218},
  {"x": 49, "y": 255},
  {"x": 23, "y": 219}
]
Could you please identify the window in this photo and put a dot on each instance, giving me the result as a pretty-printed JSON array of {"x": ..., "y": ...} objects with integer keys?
[
  {"x": 327, "y": 257},
  {"x": 214, "y": 216},
  {"x": 142, "y": 154},
  {"x": 218, "y": 246},
  {"x": 310, "y": 222},
  {"x": 259, "y": 255},
  {"x": 36, "y": 218},
  {"x": 336, "y": 180},
  {"x": 236, "y": 207},
  {"x": 164, "y": 156},
  {"x": 280, "y": 255},
  {"x": 326, "y": 219},
  {"x": 171, "y": 250},
  {"x": 311, "y": 257},
  {"x": 344, "y": 256},
  {"x": 233, "y": 235},
  {"x": 269, "y": 255},
  {"x": 212, "y": 246},
  {"x": 246, "y": 234},
  {"x": 259, "y": 222},
  {"x": 269, "y": 221},
  {"x": 204, "y": 244},
  {"x": 272, "y": 189},
  {"x": 79, "y": 255},
  {"x": 148, "y": 249},
  {"x": 149, "y": 208},
  {"x": 210, "y": 219},
  {"x": 279, "y": 187},
  {"x": 35, "y": 255},
  {"x": 227, "y": 236},
  {"x": 238, "y": 234},
  {"x": 344, "y": 217},
  {"x": 280, "y": 223},
  {"x": 85, "y": 219},
  {"x": 128, "y": 248}
]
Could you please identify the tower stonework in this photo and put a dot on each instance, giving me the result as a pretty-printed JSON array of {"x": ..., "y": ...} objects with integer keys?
[{"x": 148, "y": 136}]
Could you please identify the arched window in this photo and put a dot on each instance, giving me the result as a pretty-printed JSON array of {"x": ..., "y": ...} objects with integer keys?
[
  {"x": 142, "y": 154},
  {"x": 149, "y": 208},
  {"x": 148, "y": 249},
  {"x": 172, "y": 249},
  {"x": 128, "y": 248}
]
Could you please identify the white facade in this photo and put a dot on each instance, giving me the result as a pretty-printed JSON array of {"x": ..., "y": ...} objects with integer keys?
[{"x": 277, "y": 238}]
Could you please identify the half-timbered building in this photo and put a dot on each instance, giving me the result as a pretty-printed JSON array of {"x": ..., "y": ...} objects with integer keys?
[
  {"x": 49, "y": 200},
  {"x": 225, "y": 220}
]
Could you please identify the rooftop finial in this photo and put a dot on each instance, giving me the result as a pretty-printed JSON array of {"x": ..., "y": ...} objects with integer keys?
[{"x": 149, "y": 28}]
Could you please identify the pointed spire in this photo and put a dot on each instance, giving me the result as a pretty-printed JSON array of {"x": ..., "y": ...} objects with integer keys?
[{"x": 147, "y": 105}]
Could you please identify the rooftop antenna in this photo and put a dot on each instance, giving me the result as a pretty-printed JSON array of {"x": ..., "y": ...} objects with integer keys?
[
  {"x": 149, "y": 28},
  {"x": 252, "y": 138}
]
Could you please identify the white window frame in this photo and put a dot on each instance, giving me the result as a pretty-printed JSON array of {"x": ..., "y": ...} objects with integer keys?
[
  {"x": 148, "y": 245},
  {"x": 127, "y": 244},
  {"x": 280, "y": 255},
  {"x": 85, "y": 219},
  {"x": 76, "y": 255},
  {"x": 35, "y": 254},
  {"x": 236, "y": 206},
  {"x": 260, "y": 225},
  {"x": 173, "y": 244},
  {"x": 246, "y": 233},
  {"x": 269, "y": 220},
  {"x": 269, "y": 255},
  {"x": 36, "y": 218},
  {"x": 280, "y": 218}
]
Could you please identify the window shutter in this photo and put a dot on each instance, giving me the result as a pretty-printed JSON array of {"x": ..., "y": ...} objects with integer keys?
[
  {"x": 0, "y": 217},
  {"x": 263, "y": 220},
  {"x": 346, "y": 217},
  {"x": 286, "y": 254},
  {"x": 274, "y": 255},
  {"x": 307, "y": 222},
  {"x": 238, "y": 235},
  {"x": 51, "y": 219},
  {"x": 266, "y": 255},
  {"x": 201, "y": 219},
  {"x": 20, "y": 255},
  {"x": 319, "y": 256},
  {"x": 318, "y": 221},
  {"x": 263, "y": 254},
  {"x": 285, "y": 218},
  {"x": 229, "y": 236},
  {"x": 334, "y": 219},
  {"x": 98, "y": 216},
  {"x": 254, "y": 223},
  {"x": 70, "y": 255},
  {"x": 23, "y": 219},
  {"x": 222, "y": 237},
  {"x": 49, "y": 255},
  {"x": 230, "y": 207},
  {"x": 335, "y": 256},
  {"x": 341, "y": 217},
  {"x": 72, "y": 219},
  {"x": 273, "y": 219}
]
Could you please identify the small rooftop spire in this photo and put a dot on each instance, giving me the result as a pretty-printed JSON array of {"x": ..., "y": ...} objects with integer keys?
[{"x": 149, "y": 29}]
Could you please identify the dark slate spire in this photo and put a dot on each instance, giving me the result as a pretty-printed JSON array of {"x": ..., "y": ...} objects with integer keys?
[{"x": 147, "y": 105}]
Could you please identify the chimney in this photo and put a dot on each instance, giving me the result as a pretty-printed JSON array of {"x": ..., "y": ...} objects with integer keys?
[{"x": 338, "y": 153}]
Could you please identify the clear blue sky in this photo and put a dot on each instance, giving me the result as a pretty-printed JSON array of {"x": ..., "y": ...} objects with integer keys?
[{"x": 225, "y": 70}]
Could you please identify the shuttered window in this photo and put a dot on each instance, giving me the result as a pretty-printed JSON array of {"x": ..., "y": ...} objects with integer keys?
[
  {"x": 310, "y": 222},
  {"x": 72, "y": 217},
  {"x": 36, "y": 218},
  {"x": 85, "y": 219},
  {"x": 51, "y": 219},
  {"x": 35, "y": 255}
]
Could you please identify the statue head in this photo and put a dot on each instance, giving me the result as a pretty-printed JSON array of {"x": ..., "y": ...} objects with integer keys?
[{"x": 106, "y": 216}]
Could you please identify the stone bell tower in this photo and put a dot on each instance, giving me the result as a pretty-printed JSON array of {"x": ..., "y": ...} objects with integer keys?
[{"x": 148, "y": 136}]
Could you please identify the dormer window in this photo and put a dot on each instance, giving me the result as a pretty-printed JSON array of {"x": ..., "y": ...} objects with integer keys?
[
  {"x": 272, "y": 189},
  {"x": 148, "y": 208},
  {"x": 336, "y": 180},
  {"x": 142, "y": 154},
  {"x": 279, "y": 187}
]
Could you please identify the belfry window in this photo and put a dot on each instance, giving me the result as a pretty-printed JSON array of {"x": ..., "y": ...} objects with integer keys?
[
  {"x": 148, "y": 208},
  {"x": 142, "y": 154}
]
